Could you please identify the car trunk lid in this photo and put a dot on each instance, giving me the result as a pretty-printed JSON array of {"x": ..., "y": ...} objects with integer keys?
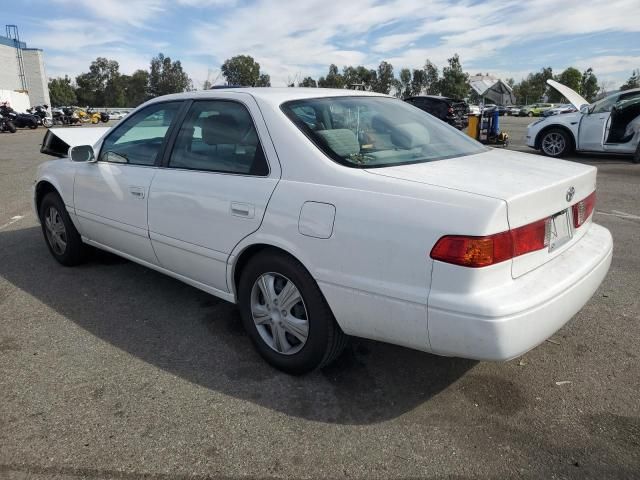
[
  {"x": 533, "y": 187},
  {"x": 571, "y": 95}
]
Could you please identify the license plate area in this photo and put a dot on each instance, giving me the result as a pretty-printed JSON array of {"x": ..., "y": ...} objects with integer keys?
[{"x": 559, "y": 230}]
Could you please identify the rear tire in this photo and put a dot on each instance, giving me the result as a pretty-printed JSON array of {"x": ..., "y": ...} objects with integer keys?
[
  {"x": 298, "y": 335},
  {"x": 530, "y": 114},
  {"x": 636, "y": 156},
  {"x": 11, "y": 127},
  {"x": 62, "y": 238},
  {"x": 555, "y": 143}
]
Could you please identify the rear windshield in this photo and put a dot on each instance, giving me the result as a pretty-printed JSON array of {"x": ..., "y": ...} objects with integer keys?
[{"x": 368, "y": 132}]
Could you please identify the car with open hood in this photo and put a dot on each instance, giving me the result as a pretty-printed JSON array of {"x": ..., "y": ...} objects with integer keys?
[
  {"x": 325, "y": 214},
  {"x": 610, "y": 125}
]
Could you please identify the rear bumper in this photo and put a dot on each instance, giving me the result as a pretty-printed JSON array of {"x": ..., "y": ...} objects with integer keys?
[{"x": 516, "y": 318}]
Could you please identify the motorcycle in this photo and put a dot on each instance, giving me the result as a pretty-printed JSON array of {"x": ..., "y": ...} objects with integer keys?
[
  {"x": 97, "y": 117},
  {"x": 40, "y": 111},
  {"x": 6, "y": 125},
  {"x": 20, "y": 120}
]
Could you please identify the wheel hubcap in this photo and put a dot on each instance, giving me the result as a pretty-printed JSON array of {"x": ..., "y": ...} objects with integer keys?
[
  {"x": 55, "y": 230},
  {"x": 279, "y": 313},
  {"x": 553, "y": 144}
]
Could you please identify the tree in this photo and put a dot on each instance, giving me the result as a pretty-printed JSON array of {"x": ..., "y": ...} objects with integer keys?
[
  {"x": 432, "y": 78},
  {"x": 62, "y": 92},
  {"x": 572, "y": 78},
  {"x": 454, "y": 82},
  {"x": 207, "y": 85},
  {"x": 533, "y": 88},
  {"x": 589, "y": 85},
  {"x": 167, "y": 77},
  {"x": 333, "y": 79},
  {"x": 137, "y": 88},
  {"x": 100, "y": 84},
  {"x": 632, "y": 82},
  {"x": 403, "y": 84},
  {"x": 359, "y": 76},
  {"x": 264, "y": 80},
  {"x": 384, "y": 78},
  {"x": 308, "y": 82},
  {"x": 242, "y": 70},
  {"x": 418, "y": 81}
]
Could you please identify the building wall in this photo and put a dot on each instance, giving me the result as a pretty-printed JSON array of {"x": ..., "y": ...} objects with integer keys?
[
  {"x": 36, "y": 76},
  {"x": 33, "y": 58},
  {"x": 9, "y": 77}
]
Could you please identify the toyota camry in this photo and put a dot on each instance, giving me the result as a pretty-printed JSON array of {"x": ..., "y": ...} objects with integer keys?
[{"x": 325, "y": 214}]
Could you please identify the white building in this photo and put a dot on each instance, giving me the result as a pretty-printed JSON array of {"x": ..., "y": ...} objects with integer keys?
[{"x": 11, "y": 81}]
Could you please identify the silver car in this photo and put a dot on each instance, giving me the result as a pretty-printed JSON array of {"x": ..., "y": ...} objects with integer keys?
[{"x": 610, "y": 125}]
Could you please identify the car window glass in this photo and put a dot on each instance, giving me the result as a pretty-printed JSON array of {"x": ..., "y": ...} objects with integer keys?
[
  {"x": 366, "y": 132},
  {"x": 219, "y": 136},
  {"x": 138, "y": 139},
  {"x": 604, "y": 105}
]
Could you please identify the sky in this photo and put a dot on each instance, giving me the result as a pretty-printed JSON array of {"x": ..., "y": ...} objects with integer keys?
[{"x": 295, "y": 39}]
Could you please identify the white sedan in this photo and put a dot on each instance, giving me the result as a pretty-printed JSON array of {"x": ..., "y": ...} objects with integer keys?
[
  {"x": 330, "y": 213},
  {"x": 610, "y": 125}
]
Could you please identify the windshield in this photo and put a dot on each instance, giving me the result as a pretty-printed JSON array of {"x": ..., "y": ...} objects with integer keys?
[{"x": 367, "y": 132}]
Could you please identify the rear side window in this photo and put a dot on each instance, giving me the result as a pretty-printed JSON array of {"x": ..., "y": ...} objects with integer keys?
[
  {"x": 139, "y": 139},
  {"x": 219, "y": 136}
]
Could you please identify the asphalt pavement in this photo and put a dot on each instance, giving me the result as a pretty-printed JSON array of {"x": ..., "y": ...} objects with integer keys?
[{"x": 113, "y": 371}]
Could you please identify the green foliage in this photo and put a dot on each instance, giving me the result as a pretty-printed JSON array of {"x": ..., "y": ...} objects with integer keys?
[
  {"x": 136, "y": 88},
  {"x": 62, "y": 92},
  {"x": 633, "y": 82},
  {"x": 244, "y": 70},
  {"x": 454, "y": 82},
  {"x": 359, "y": 76},
  {"x": 167, "y": 77},
  {"x": 100, "y": 85},
  {"x": 431, "y": 78},
  {"x": 589, "y": 85},
  {"x": 534, "y": 87},
  {"x": 403, "y": 84},
  {"x": 384, "y": 78},
  {"x": 308, "y": 82},
  {"x": 333, "y": 79}
]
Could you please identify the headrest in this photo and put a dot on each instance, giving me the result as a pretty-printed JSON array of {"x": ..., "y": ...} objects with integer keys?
[
  {"x": 410, "y": 135},
  {"x": 220, "y": 130},
  {"x": 341, "y": 140},
  {"x": 381, "y": 124}
]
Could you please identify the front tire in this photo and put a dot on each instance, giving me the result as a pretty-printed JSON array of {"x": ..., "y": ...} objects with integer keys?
[
  {"x": 286, "y": 315},
  {"x": 555, "y": 143},
  {"x": 11, "y": 127},
  {"x": 636, "y": 156},
  {"x": 62, "y": 238},
  {"x": 530, "y": 114}
]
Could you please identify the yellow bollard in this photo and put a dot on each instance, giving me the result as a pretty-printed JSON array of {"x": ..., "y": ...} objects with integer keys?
[{"x": 472, "y": 129}]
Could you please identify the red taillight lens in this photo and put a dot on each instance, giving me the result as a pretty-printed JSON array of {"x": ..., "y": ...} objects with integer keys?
[
  {"x": 484, "y": 251},
  {"x": 583, "y": 210}
]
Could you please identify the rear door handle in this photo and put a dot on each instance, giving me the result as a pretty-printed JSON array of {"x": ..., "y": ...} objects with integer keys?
[
  {"x": 245, "y": 210},
  {"x": 137, "y": 192}
]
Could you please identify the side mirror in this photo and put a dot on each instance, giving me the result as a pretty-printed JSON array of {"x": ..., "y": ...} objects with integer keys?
[
  {"x": 82, "y": 153},
  {"x": 584, "y": 109}
]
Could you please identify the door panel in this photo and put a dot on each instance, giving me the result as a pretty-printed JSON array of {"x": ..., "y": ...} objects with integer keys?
[
  {"x": 111, "y": 195},
  {"x": 591, "y": 132},
  {"x": 214, "y": 190}
]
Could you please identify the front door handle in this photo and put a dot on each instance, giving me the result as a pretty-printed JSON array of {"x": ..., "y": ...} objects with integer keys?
[
  {"x": 137, "y": 192},
  {"x": 245, "y": 210}
]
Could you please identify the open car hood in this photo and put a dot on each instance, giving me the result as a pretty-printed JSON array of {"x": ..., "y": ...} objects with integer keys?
[
  {"x": 572, "y": 96},
  {"x": 57, "y": 141}
]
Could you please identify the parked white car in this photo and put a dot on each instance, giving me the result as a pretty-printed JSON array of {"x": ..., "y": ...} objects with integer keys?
[
  {"x": 116, "y": 115},
  {"x": 609, "y": 125},
  {"x": 328, "y": 213}
]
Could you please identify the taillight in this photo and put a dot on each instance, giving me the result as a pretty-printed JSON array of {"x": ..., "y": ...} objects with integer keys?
[
  {"x": 583, "y": 210},
  {"x": 484, "y": 251}
]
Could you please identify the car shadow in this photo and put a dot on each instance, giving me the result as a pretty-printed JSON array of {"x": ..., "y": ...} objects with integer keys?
[{"x": 200, "y": 338}]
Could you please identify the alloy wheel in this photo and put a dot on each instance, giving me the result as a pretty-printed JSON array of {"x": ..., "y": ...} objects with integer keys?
[
  {"x": 553, "y": 144},
  {"x": 55, "y": 230},
  {"x": 279, "y": 313}
]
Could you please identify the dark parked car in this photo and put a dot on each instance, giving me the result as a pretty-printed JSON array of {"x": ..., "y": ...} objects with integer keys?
[{"x": 454, "y": 112}]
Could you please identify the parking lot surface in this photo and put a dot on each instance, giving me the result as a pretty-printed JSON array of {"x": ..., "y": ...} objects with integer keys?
[{"x": 111, "y": 370}]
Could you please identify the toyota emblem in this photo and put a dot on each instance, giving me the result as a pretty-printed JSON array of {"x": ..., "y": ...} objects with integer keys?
[{"x": 570, "y": 194}]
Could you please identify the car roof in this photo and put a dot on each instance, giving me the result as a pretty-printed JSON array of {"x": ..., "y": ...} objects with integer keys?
[{"x": 273, "y": 95}]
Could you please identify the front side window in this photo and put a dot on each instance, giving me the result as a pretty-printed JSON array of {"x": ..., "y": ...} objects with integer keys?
[
  {"x": 368, "y": 132},
  {"x": 219, "y": 136},
  {"x": 138, "y": 139},
  {"x": 604, "y": 105}
]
